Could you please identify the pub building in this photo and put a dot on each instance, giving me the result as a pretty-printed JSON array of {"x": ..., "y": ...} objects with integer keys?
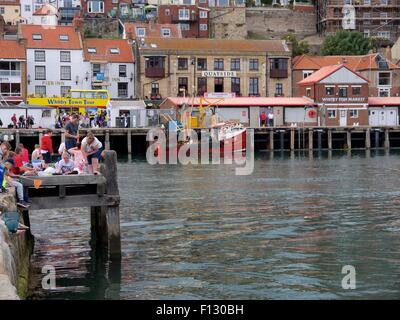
[{"x": 340, "y": 94}]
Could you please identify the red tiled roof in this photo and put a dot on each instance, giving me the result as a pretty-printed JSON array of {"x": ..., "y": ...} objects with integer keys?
[
  {"x": 103, "y": 47},
  {"x": 325, "y": 72},
  {"x": 46, "y": 10},
  {"x": 11, "y": 49},
  {"x": 51, "y": 37},
  {"x": 245, "y": 101},
  {"x": 384, "y": 101},
  {"x": 216, "y": 45},
  {"x": 358, "y": 63},
  {"x": 154, "y": 32},
  {"x": 9, "y": 2}
]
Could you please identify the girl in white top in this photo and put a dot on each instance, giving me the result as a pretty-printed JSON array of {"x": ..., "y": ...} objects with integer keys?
[{"x": 91, "y": 149}]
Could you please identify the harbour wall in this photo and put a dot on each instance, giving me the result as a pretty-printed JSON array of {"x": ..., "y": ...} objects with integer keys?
[{"x": 15, "y": 253}]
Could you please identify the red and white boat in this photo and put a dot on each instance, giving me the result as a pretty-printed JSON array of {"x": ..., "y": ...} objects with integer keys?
[{"x": 232, "y": 137}]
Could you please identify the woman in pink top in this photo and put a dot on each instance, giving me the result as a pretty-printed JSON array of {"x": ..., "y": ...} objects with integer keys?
[{"x": 79, "y": 159}]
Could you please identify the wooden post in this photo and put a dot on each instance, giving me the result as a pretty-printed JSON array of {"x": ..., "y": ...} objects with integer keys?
[
  {"x": 367, "y": 139},
  {"x": 17, "y": 138},
  {"x": 282, "y": 139},
  {"x": 387, "y": 141},
  {"x": 330, "y": 139},
  {"x": 319, "y": 139},
  {"x": 291, "y": 139},
  {"x": 348, "y": 134},
  {"x": 271, "y": 140},
  {"x": 310, "y": 139},
  {"x": 107, "y": 140},
  {"x": 109, "y": 171},
  {"x": 377, "y": 139},
  {"x": 63, "y": 136},
  {"x": 129, "y": 142}
]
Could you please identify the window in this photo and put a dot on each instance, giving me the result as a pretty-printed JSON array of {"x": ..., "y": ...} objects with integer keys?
[
  {"x": 219, "y": 64},
  {"x": 235, "y": 64},
  {"x": 203, "y": 14},
  {"x": 184, "y": 14},
  {"x": 182, "y": 86},
  {"x": 141, "y": 32},
  {"x": 384, "y": 92},
  {"x": 64, "y": 90},
  {"x": 27, "y": 7},
  {"x": 343, "y": 92},
  {"x": 92, "y": 50},
  {"x": 253, "y": 65},
  {"x": 307, "y": 73},
  {"x": 367, "y": 2},
  {"x": 384, "y": 79},
  {"x": 155, "y": 88},
  {"x": 384, "y": 34},
  {"x": 253, "y": 86},
  {"x": 279, "y": 89},
  {"x": 165, "y": 32},
  {"x": 353, "y": 113},
  {"x": 201, "y": 85},
  {"x": 2, "y": 10},
  {"x": 383, "y": 2},
  {"x": 167, "y": 12},
  {"x": 114, "y": 50},
  {"x": 356, "y": 91},
  {"x": 155, "y": 62},
  {"x": 366, "y": 33},
  {"x": 65, "y": 73},
  {"x": 40, "y": 55},
  {"x": 65, "y": 56},
  {"x": 40, "y": 90},
  {"x": 95, "y": 6},
  {"x": 185, "y": 26},
  {"x": 329, "y": 91},
  {"x": 96, "y": 69},
  {"x": 308, "y": 92},
  {"x": 278, "y": 68},
  {"x": 332, "y": 114},
  {"x": 182, "y": 63},
  {"x": 222, "y": 3},
  {"x": 64, "y": 37},
  {"x": 203, "y": 27},
  {"x": 235, "y": 85},
  {"x": 122, "y": 70},
  {"x": 40, "y": 73},
  {"x": 218, "y": 84},
  {"x": 122, "y": 89},
  {"x": 201, "y": 64}
]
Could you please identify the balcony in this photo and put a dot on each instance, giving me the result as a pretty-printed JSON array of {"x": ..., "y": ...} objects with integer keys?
[
  {"x": 155, "y": 72},
  {"x": 278, "y": 73},
  {"x": 10, "y": 73},
  {"x": 190, "y": 18}
]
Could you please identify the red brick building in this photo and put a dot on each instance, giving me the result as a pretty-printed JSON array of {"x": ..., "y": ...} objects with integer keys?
[
  {"x": 193, "y": 20},
  {"x": 341, "y": 95}
]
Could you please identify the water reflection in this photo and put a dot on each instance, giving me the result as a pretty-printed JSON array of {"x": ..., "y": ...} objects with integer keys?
[{"x": 201, "y": 232}]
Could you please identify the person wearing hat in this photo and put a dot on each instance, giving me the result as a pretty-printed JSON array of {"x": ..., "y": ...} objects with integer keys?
[{"x": 12, "y": 182}]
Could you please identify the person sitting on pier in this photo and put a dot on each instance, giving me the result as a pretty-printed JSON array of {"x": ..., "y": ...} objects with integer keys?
[
  {"x": 92, "y": 149},
  {"x": 47, "y": 146},
  {"x": 20, "y": 166},
  {"x": 65, "y": 165},
  {"x": 36, "y": 154},
  {"x": 78, "y": 157},
  {"x": 5, "y": 149},
  {"x": 13, "y": 182}
]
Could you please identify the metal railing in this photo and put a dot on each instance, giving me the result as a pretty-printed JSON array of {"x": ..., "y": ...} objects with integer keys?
[{"x": 10, "y": 73}]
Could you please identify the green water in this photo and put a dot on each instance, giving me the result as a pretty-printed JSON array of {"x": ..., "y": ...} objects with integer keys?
[{"x": 200, "y": 232}]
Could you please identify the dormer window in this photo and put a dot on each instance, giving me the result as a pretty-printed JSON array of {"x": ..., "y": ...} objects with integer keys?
[
  {"x": 114, "y": 50},
  {"x": 36, "y": 36},
  {"x": 91, "y": 50},
  {"x": 64, "y": 37}
]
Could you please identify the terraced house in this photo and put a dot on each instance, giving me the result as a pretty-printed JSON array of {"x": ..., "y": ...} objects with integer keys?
[{"x": 193, "y": 67}]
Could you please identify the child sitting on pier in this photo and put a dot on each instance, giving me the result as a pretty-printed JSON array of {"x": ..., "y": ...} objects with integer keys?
[
  {"x": 65, "y": 165},
  {"x": 78, "y": 157},
  {"x": 13, "y": 182},
  {"x": 36, "y": 154}
]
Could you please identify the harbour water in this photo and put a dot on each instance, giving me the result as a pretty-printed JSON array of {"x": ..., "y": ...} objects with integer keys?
[{"x": 200, "y": 232}]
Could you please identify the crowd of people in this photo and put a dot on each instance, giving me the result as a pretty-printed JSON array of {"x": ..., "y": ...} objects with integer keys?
[
  {"x": 87, "y": 120},
  {"x": 77, "y": 155},
  {"x": 21, "y": 122}
]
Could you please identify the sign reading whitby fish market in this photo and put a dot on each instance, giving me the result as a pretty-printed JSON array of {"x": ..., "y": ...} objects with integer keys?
[
  {"x": 219, "y": 74},
  {"x": 344, "y": 99}
]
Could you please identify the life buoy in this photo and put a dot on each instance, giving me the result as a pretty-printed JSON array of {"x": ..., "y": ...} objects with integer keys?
[{"x": 312, "y": 113}]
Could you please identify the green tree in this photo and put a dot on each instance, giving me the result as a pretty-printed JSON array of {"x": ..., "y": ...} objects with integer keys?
[
  {"x": 346, "y": 42},
  {"x": 298, "y": 47}
]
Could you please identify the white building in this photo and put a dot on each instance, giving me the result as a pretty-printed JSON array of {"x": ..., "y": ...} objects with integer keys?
[
  {"x": 111, "y": 66},
  {"x": 54, "y": 60},
  {"x": 46, "y": 15}
]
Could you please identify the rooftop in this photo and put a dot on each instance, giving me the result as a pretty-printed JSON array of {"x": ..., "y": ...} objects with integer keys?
[
  {"x": 11, "y": 49},
  {"x": 46, "y": 10},
  {"x": 110, "y": 50},
  {"x": 51, "y": 37},
  {"x": 215, "y": 45}
]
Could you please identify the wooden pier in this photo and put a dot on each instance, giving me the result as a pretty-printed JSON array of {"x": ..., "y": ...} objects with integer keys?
[
  {"x": 133, "y": 140},
  {"x": 98, "y": 192}
]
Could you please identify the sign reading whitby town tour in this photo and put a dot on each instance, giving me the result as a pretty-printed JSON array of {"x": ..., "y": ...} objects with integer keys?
[{"x": 219, "y": 74}]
